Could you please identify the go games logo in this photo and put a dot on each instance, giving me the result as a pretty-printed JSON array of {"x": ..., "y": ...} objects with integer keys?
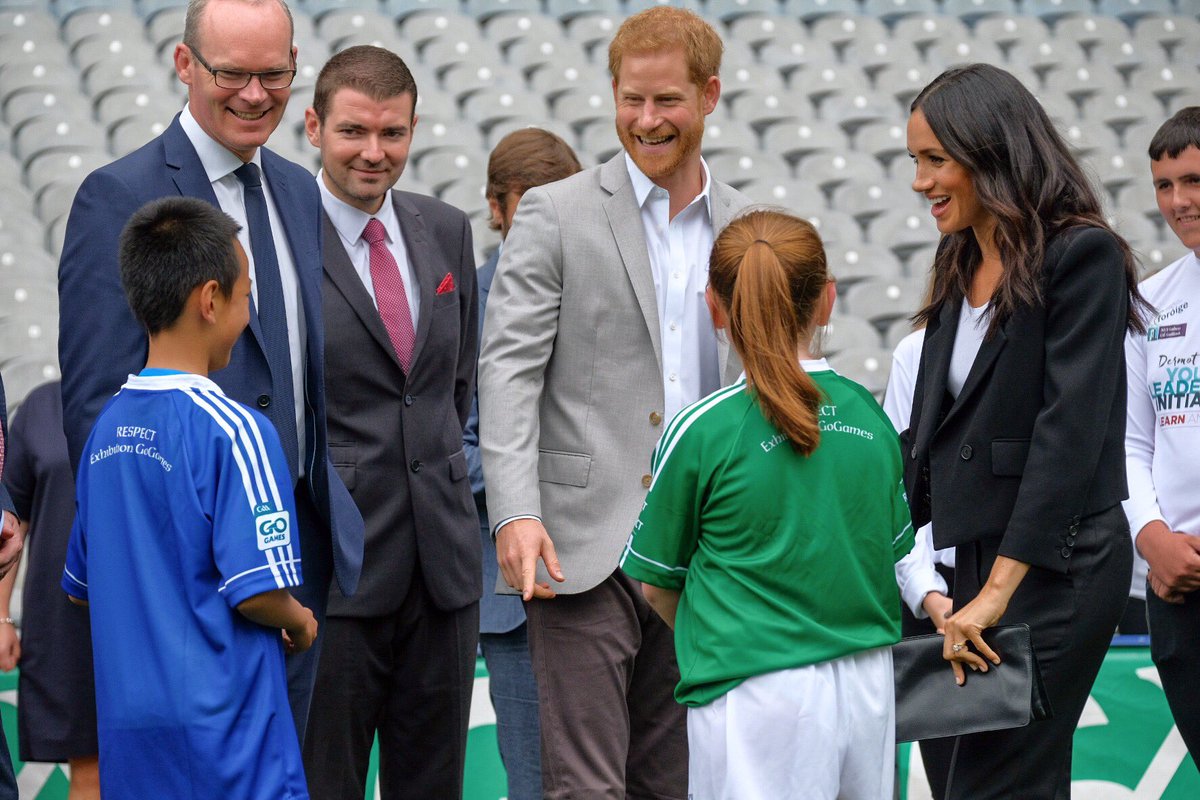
[{"x": 274, "y": 530}]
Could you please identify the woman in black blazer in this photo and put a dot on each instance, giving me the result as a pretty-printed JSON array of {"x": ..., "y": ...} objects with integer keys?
[{"x": 1015, "y": 448}]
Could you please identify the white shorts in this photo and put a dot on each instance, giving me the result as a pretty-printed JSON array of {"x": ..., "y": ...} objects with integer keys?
[{"x": 821, "y": 732}]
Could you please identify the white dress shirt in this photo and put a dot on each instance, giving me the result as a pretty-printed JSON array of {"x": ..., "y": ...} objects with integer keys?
[
  {"x": 679, "y": 249},
  {"x": 219, "y": 164},
  {"x": 350, "y": 221}
]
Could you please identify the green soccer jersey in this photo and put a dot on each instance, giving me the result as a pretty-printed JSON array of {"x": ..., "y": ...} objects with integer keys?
[{"x": 783, "y": 560}]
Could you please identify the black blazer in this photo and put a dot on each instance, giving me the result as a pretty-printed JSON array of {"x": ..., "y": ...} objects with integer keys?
[
  {"x": 1036, "y": 438},
  {"x": 396, "y": 440}
]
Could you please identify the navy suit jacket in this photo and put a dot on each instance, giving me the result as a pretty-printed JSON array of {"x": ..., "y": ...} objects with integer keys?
[{"x": 100, "y": 343}]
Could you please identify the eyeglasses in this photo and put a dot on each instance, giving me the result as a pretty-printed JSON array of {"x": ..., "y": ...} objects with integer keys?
[{"x": 238, "y": 79}]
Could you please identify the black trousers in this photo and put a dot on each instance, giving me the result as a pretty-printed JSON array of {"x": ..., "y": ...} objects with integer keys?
[
  {"x": 1072, "y": 618},
  {"x": 407, "y": 675},
  {"x": 1175, "y": 648}
]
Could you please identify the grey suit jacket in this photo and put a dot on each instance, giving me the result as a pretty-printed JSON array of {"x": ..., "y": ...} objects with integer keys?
[
  {"x": 396, "y": 439},
  {"x": 570, "y": 371}
]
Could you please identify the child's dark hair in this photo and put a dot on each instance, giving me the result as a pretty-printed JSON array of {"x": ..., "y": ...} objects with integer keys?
[
  {"x": 168, "y": 248},
  {"x": 1177, "y": 134},
  {"x": 768, "y": 270}
]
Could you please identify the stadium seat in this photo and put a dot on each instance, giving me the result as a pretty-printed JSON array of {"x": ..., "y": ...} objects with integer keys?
[
  {"x": 132, "y": 132},
  {"x": 42, "y": 134},
  {"x": 464, "y": 80},
  {"x": 344, "y": 22},
  {"x": 467, "y": 195},
  {"x": 594, "y": 32},
  {"x": 765, "y": 108},
  {"x": 105, "y": 76},
  {"x": 892, "y": 10},
  {"x": 1009, "y": 29},
  {"x": 861, "y": 262},
  {"x": 113, "y": 47},
  {"x": 759, "y": 30},
  {"x": 1121, "y": 109},
  {"x": 454, "y": 50},
  {"x": 811, "y": 10},
  {"x": 52, "y": 76},
  {"x": 25, "y": 373},
  {"x": 1168, "y": 31},
  {"x": 580, "y": 106},
  {"x": 1132, "y": 10},
  {"x": 792, "y": 57},
  {"x": 1164, "y": 82},
  {"x": 1087, "y": 139},
  {"x": 533, "y": 53},
  {"x": 1089, "y": 30},
  {"x": 1152, "y": 259},
  {"x": 730, "y": 135},
  {"x": 818, "y": 83},
  {"x": 103, "y": 22},
  {"x": 803, "y": 198},
  {"x": 434, "y": 133},
  {"x": 949, "y": 53},
  {"x": 867, "y": 366},
  {"x": 1138, "y": 229},
  {"x": 484, "y": 10},
  {"x": 1188, "y": 97},
  {"x": 1052, "y": 10},
  {"x": 866, "y": 200},
  {"x": 1047, "y": 56},
  {"x": 904, "y": 82},
  {"x": 598, "y": 142},
  {"x": 886, "y": 141},
  {"x": 726, "y": 10},
  {"x": 27, "y": 21},
  {"x": 566, "y": 10},
  {"x": 1128, "y": 56},
  {"x": 837, "y": 228},
  {"x": 738, "y": 168},
  {"x": 972, "y": 11},
  {"x": 444, "y": 165},
  {"x": 554, "y": 80},
  {"x": 63, "y": 166},
  {"x": 846, "y": 332},
  {"x": 902, "y": 230},
  {"x": 738, "y": 77},
  {"x": 923, "y": 30},
  {"x": 1085, "y": 80},
  {"x": 842, "y": 29},
  {"x": 421, "y": 26},
  {"x": 504, "y": 29},
  {"x": 798, "y": 140},
  {"x": 1138, "y": 198},
  {"x": 882, "y": 300},
  {"x": 69, "y": 104},
  {"x": 851, "y": 111},
  {"x": 829, "y": 169},
  {"x": 488, "y": 108}
]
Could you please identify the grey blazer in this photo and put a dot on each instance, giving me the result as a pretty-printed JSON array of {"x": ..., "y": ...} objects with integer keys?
[
  {"x": 570, "y": 370},
  {"x": 396, "y": 439}
]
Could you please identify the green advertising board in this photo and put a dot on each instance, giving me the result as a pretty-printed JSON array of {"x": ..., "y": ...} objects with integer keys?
[{"x": 1126, "y": 747}]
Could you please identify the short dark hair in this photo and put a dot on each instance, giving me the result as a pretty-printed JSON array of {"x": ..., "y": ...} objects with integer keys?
[
  {"x": 1177, "y": 134},
  {"x": 527, "y": 158},
  {"x": 378, "y": 73},
  {"x": 168, "y": 248}
]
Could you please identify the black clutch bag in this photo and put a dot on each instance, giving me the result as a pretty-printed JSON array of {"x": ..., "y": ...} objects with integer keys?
[{"x": 929, "y": 705}]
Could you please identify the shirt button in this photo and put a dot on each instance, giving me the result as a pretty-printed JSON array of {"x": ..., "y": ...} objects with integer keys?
[
  {"x": 672, "y": 377},
  {"x": 415, "y": 465},
  {"x": 966, "y": 452},
  {"x": 646, "y": 481},
  {"x": 655, "y": 418},
  {"x": 264, "y": 400},
  {"x": 408, "y": 399},
  {"x": 674, "y": 326}
]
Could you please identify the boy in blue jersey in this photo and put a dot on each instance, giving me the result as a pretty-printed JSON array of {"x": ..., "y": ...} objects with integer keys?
[{"x": 183, "y": 546}]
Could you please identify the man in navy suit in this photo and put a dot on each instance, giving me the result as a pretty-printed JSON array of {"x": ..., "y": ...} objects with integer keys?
[{"x": 238, "y": 62}]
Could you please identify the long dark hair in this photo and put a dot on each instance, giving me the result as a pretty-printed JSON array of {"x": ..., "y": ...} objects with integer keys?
[
  {"x": 768, "y": 270},
  {"x": 1024, "y": 176}
]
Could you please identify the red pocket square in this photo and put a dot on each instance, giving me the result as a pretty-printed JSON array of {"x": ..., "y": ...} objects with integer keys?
[{"x": 447, "y": 284}]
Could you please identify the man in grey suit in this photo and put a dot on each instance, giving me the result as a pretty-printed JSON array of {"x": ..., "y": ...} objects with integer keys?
[
  {"x": 596, "y": 335},
  {"x": 401, "y": 320}
]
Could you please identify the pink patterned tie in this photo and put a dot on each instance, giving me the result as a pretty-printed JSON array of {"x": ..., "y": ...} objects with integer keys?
[{"x": 390, "y": 296}]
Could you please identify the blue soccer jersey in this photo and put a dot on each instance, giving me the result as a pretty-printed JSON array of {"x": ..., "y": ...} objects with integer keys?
[{"x": 185, "y": 509}]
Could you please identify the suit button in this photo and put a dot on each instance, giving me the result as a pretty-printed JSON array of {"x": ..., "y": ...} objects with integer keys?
[
  {"x": 415, "y": 465},
  {"x": 1065, "y": 552},
  {"x": 966, "y": 452},
  {"x": 264, "y": 400},
  {"x": 408, "y": 399},
  {"x": 655, "y": 418},
  {"x": 913, "y": 453},
  {"x": 646, "y": 479},
  {"x": 928, "y": 499}
]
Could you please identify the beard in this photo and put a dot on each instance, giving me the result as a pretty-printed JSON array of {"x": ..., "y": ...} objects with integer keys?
[{"x": 658, "y": 166}]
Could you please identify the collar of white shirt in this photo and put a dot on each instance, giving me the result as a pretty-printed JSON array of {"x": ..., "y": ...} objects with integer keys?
[
  {"x": 216, "y": 160},
  {"x": 350, "y": 221},
  {"x": 642, "y": 186}
]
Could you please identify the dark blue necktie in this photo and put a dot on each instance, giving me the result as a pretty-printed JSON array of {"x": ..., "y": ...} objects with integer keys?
[{"x": 272, "y": 318}]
